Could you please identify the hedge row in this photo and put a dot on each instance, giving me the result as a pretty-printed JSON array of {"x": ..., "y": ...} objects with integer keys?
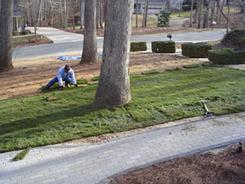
[
  {"x": 196, "y": 50},
  {"x": 138, "y": 46},
  {"x": 163, "y": 47},
  {"x": 157, "y": 47},
  {"x": 227, "y": 56}
]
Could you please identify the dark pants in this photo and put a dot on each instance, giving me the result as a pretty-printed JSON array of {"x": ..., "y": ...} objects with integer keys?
[{"x": 55, "y": 79}]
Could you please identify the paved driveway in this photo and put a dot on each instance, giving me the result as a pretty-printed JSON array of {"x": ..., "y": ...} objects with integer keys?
[{"x": 91, "y": 164}]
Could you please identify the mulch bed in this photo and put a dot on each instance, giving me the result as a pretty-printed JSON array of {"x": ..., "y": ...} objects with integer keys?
[{"x": 224, "y": 167}]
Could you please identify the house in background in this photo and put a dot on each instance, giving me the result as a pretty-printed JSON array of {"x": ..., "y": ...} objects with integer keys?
[
  {"x": 156, "y": 5},
  {"x": 18, "y": 16}
]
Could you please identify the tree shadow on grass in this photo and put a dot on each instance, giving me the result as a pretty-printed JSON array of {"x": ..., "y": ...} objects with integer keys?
[{"x": 45, "y": 119}]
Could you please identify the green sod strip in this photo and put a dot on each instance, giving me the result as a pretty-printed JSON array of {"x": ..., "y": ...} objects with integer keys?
[{"x": 57, "y": 116}]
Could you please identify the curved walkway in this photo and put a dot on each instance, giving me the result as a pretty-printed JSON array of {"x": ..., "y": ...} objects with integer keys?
[{"x": 88, "y": 164}]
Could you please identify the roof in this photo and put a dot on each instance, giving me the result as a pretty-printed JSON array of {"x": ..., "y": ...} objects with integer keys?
[{"x": 18, "y": 12}]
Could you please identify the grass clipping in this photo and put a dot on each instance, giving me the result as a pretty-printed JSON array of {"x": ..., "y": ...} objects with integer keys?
[{"x": 21, "y": 155}]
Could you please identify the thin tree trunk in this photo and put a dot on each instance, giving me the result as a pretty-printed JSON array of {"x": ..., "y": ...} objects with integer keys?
[
  {"x": 199, "y": 14},
  {"x": 102, "y": 4},
  {"x": 6, "y": 31},
  {"x": 98, "y": 14},
  {"x": 136, "y": 14},
  {"x": 114, "y": 84},
  {"x": 228, "y": 18},
  {"x": 212, "y": 13},
  {"x": 191, "y": 14},
  {"x": 90, "y": 43},
  {"x": 206, "y": 14},
  {"x": 145, "y": 17},
  {"x": 82, "y": 7}
]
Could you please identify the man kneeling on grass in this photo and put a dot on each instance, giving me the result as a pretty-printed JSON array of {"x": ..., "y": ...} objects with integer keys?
[{"x": 66, "y": 74}]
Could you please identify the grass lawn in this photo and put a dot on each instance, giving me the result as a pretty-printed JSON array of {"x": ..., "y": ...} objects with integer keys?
[
  {"x": 58, "y": 116},
  {"x": 29, "y": 39}
]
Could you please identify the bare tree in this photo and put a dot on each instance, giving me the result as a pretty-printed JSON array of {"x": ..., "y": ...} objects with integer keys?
[
  {"x": 90, "y": 43},
  {"x": 145, "y": 16},
  {"x": 6, "y": 29},
  {"x": 114, "y": 84}
]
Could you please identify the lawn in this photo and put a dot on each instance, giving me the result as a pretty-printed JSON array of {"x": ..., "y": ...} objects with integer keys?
[
  {"x": 30, "y": 39},
  {"x": 59, "y": 116}
]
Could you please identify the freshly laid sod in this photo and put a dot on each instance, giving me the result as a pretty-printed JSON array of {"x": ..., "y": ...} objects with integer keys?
[
  {"x": 58, "y": 116},
  {"x": 21, "y": 155}
]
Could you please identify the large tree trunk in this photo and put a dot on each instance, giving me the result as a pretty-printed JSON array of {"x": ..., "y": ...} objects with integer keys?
[
  {"x": 6, "y": 30},
  {"x": 114, "y": 84},
  {"x": 90, "y": 43},
  {"x": 145, "y": 16}
]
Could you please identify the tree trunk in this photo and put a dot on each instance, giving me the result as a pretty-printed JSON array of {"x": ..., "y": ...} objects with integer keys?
[
  {"x": 82, "y": 7},
  {"x": 102, "y": 4},
  {"x": 90, "y": 43},
  {"x": 199, "y": 14},
  {"x": 168, "y": 5},
  {"x": 114, "y": 84},
  {"x": 213, "y": 6},
  {"x": 206, "y": 14},
  {"x": 145, "y": 17},
  {"x": 98, "y": 14},
  {"x": 6, "y": 31},
  {"x": 136, "y": 14},
  {"x": 191, "y": 14}
]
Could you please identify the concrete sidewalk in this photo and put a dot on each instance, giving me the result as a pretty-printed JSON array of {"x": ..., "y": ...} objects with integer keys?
[{"x": 94, "y": 163}]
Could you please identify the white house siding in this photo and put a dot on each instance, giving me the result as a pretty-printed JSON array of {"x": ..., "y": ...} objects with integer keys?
[{"x": 156, "y": 5}]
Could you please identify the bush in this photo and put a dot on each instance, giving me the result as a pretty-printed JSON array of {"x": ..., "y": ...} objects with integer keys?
[
  {"x": 138, "y": 46},
  {"x": 163, "y": 47},
  {"x": 235, "y": 39},
  {"x": 163, "y": 18},
  {"x": 25, "y": 32},
  {"x": 227, "y": 56},
  {"x": 196, "y": 50}
]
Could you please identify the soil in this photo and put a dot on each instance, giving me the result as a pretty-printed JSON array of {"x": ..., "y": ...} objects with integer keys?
[
  {"x": 29, "y": 76},
  {"x": 148, "y": 30},
  {"x": 222, "y": 167}
]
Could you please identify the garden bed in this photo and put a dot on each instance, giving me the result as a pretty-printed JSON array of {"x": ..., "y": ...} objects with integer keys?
[{"x": 225, "y": 167}]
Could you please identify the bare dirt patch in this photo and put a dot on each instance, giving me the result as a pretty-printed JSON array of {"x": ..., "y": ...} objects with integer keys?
[
  {"x": 225, "y": 167},
  {"x": 29, "y": 76},
  {"x": 147, "y": 30}
]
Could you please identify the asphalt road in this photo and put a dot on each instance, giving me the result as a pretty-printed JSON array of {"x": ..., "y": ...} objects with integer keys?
[{"x": 70, "y": 43}]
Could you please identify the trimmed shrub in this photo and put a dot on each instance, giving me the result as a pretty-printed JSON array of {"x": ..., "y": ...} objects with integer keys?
[
  {"x": 138, "y": 46},
  {"x": 163, "y": 47},
  {"x": 196, "y": 50},
  {"x": 227, "y": 56},
  {"x": 235, "y": 39},
  {"x": 25, "y": 32}
]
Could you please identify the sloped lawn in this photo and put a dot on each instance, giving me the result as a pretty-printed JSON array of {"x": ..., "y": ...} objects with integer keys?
[{"x": 59, "y": 116}]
